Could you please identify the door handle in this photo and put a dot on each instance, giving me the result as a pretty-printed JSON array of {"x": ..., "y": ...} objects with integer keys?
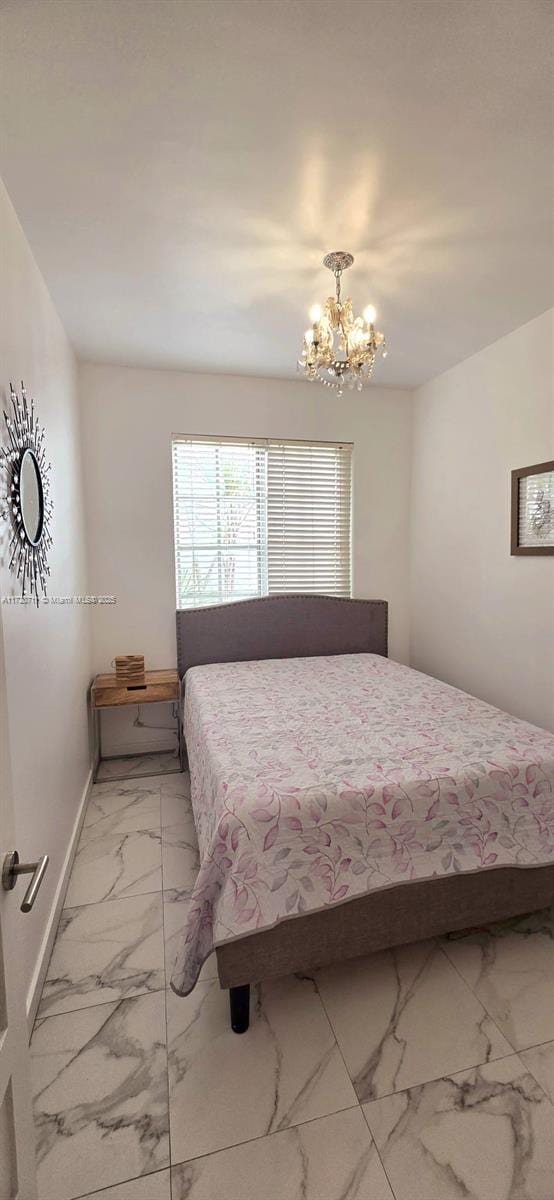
[{"x": 11, "y": 870}]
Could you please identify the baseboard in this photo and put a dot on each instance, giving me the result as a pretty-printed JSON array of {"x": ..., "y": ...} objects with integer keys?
[{"x": 39, "y": 973}]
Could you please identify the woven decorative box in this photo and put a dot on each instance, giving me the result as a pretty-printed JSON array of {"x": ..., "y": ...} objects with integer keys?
[{"x": 129, "y": 668}]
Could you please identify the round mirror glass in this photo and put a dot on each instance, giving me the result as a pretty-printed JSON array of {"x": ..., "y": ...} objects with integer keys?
[{"x": 30, "y": 488}]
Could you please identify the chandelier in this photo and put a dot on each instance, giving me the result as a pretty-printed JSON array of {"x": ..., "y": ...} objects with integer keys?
[{"x": 357, "y": 338}]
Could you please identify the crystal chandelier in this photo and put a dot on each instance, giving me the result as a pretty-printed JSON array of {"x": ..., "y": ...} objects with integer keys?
[{"x": 358, "y": 340}]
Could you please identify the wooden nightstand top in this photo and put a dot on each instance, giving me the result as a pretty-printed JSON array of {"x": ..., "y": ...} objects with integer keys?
[{"x": 108, "y": 691}]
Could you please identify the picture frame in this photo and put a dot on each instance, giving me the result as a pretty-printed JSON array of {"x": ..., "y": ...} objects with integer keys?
[{"x": 532, "y": 523}]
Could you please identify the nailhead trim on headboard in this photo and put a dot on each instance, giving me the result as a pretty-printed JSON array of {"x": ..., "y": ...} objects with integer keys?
[{"x": 288, "y": 626}]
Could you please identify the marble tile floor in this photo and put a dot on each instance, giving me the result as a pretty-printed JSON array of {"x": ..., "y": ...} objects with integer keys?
[
  {"x": 137, "y": 766},
  {"x": 423, "y": 1073}
]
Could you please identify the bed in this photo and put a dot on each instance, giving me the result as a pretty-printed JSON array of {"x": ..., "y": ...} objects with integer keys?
[{"x": 345, "y": 803}]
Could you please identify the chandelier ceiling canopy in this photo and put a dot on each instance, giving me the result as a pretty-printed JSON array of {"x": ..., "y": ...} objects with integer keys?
[{"x": 357, "y": 339}]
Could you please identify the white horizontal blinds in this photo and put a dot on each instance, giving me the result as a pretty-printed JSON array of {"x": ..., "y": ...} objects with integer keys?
[
  {"x": 219, "y": 490},
  {"x": 260, "y": 517},
  {"x": 309, "y": 490},
  {"x": 536, "y": 509}
]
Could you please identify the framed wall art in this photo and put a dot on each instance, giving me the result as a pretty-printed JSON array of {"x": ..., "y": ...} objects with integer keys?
[{"x": 533, "y": 509}]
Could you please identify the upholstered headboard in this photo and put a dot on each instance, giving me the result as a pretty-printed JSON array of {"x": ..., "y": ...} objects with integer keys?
[{"x": 289, "y": 626}]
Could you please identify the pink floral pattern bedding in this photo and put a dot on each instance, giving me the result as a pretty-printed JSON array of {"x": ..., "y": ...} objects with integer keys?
[{"x": 316, "y": 780}]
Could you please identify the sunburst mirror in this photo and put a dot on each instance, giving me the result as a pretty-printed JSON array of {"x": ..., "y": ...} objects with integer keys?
[{"x": 26, "y": 502}]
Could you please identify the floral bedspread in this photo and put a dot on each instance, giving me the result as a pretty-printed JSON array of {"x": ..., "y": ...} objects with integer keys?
[{"x": 316, "y": 780}]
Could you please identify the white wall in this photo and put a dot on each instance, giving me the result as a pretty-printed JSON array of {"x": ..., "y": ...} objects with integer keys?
[
  {"x": 129, "y": 416},
  {"x": 47, "y": 650},
  {"x": 482, "y": 619}
]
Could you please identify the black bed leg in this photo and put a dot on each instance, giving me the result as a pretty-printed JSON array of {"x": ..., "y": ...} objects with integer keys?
[{"x": 239, "y": 1000}]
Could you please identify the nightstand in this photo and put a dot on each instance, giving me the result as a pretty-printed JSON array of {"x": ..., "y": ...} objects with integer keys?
[{"x": 109, "y": 692}]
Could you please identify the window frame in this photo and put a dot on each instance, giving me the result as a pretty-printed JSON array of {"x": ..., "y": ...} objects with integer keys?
[{"x": 262, "y": 508}]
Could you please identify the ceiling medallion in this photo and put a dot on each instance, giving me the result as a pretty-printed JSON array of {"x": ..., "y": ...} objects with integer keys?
[
  {"x": 26, "y": 498},
  {"x": 358, "y": 340}
]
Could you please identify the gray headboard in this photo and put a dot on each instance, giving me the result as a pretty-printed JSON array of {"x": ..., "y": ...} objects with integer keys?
[{"x": 289, "y": 626}]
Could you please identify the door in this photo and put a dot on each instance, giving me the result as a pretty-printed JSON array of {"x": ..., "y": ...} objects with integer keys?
[{"x": 17, "y": 1141}]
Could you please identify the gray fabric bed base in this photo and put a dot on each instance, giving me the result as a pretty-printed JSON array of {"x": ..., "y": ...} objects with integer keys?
[{"x": 408, "y": 912}]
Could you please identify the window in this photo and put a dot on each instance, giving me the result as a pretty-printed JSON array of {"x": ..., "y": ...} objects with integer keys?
[{"x": 259, "y": 517}]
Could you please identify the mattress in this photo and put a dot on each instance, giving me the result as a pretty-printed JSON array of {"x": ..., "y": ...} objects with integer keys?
[{"x": 317, "y": 780}]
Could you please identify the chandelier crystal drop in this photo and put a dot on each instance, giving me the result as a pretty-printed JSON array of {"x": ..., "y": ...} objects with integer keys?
[{"x": 358, "y": 340}]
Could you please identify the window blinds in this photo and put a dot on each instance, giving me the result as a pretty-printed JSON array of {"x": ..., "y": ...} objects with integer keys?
[
  {"x": 308, "y": 518},
  {"x": 258, "y": 517}
]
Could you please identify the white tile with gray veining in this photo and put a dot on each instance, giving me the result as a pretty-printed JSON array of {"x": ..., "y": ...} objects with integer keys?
[
  {"x": 121, "y": 808},
  {"x": 510, "y": 967},
  {"x": 175, "y": 785},
  {"x": 426, "y": 1033},
  {"x": 175, "y": 799},
  {"x": 180, "y": 859},
  {"x": 539, "y": 1060},
  {"x": 484, "y": 1134},
  {"x": 176, "y": 905},
  {"x": 404, "y": 1016},
  {"x": 148, "y": 1187},
  {"x": 100, "y": 1089},
  {"x": 175, "y": 796},
  {"x": 332, "y": 1158},
  {"x": 226, "y": 1089},
  {"x": 116, "y": 865},
  {"x": 105, "y": 952}
]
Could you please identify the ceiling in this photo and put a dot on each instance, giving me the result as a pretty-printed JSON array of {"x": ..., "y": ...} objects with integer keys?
[{"x": 180, "y": 167}]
